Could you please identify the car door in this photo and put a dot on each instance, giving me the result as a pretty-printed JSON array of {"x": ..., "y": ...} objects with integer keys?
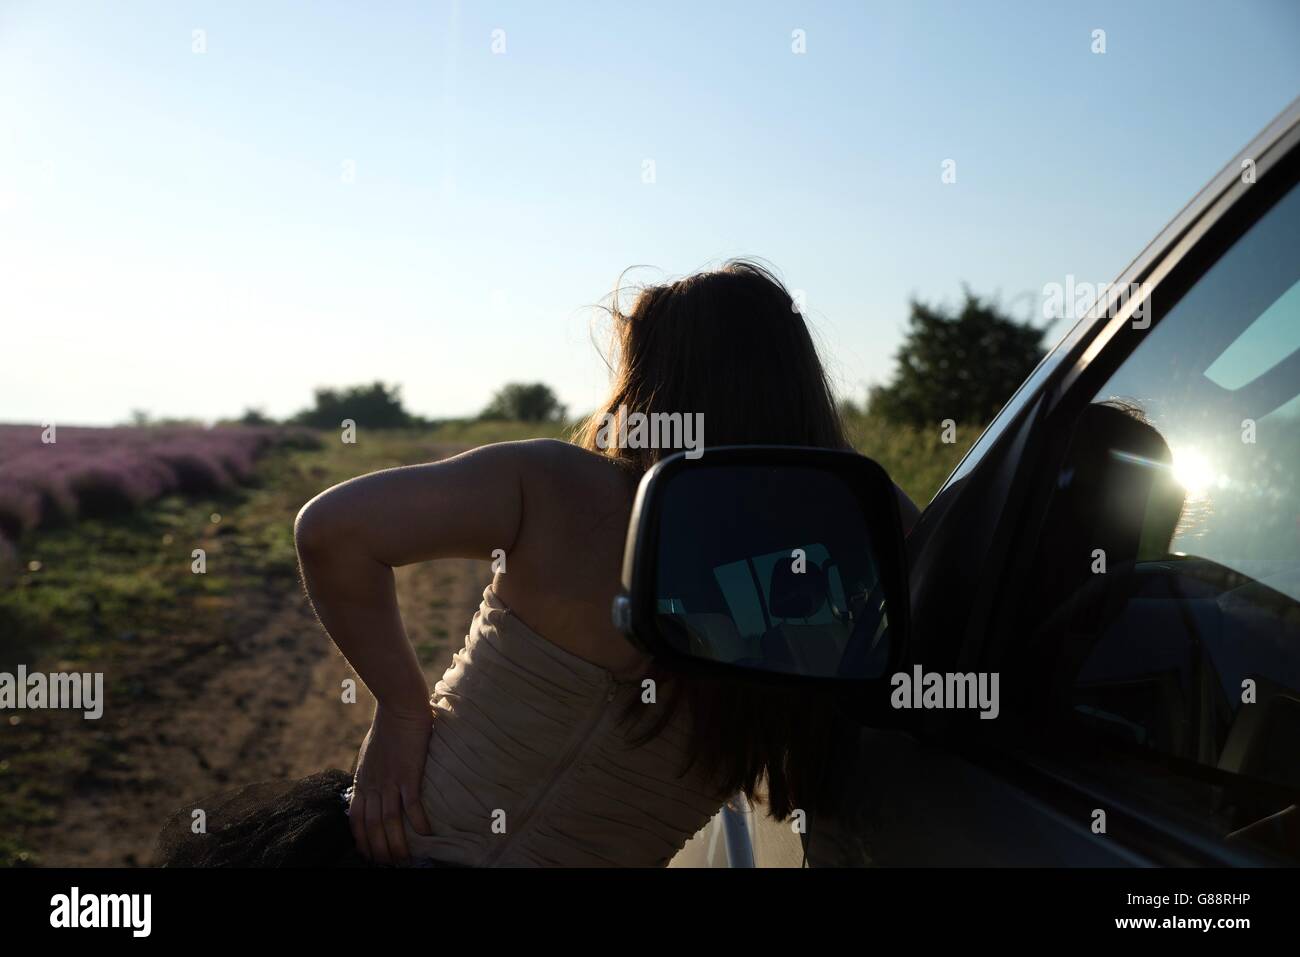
[
  {"x": 1155, "y": 650},
  {"x": 1122, "y": 548}
]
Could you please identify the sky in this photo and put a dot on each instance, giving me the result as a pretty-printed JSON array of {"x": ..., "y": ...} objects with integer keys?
[{"x": 207, "y": 207}]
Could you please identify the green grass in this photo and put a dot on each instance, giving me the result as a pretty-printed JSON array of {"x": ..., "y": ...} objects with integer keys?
[
  {"x": 472, "y": 432},
  {"x": 918, "y": 460}
]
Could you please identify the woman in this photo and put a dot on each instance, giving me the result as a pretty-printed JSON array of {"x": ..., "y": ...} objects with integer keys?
[{"x": 540, "y": 745}]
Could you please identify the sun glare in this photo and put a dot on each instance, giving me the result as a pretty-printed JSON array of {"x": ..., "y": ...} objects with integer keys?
[{"x": 1193, "y": 472}]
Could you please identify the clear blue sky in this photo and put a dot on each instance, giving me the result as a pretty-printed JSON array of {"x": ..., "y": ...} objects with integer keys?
[{"x": 178, "y": 232}]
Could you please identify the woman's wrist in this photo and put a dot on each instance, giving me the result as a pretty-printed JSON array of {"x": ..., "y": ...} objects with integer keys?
[{"x": 404, "y": 711}]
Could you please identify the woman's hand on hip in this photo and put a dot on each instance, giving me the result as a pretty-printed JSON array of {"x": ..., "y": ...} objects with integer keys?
[{"x": 386, "y": 788}]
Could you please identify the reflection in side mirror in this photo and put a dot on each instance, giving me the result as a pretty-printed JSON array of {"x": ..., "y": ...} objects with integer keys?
[{"x": 776, "y": 561}]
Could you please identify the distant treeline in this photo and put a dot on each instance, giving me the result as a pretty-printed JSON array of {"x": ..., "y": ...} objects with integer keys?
[
  {"x": 955, "y": 363},
  {"x": 379, "y": 405}
]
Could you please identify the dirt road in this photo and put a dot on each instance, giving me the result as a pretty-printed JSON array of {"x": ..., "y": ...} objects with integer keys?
[{"x": 227, "y": 714}]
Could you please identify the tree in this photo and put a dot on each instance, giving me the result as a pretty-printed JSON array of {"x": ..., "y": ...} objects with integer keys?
[
  {"x": 524, "y": 402},
  {"x": 255, "y": 417},
  {"x": 962, "y": 366},
  {"x": 374, "y": 406}
]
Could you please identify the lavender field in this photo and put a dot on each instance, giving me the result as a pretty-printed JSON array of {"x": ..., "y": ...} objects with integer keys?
[{"x": 51, "y": 477}]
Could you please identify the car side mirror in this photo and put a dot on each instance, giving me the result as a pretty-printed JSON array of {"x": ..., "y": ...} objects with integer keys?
[{"x": 774, "y": 563}]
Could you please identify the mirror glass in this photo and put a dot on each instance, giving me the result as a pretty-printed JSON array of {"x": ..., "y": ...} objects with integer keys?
[{"x": 772, "y": 568}]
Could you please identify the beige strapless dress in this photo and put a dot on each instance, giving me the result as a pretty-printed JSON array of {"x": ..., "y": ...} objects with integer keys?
[{"x": 529, "y": 763}]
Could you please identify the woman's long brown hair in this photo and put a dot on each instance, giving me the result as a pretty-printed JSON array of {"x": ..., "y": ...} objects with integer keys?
[{"x": 731, "y": 345}]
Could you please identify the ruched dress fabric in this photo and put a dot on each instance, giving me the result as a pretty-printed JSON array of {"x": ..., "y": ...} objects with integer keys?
[{"x": 531, "y": 764}]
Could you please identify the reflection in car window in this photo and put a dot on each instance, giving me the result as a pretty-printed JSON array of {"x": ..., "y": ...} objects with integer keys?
[
  {"x": 799, "y": 593},
  {"x": 1218, "y": 381},
  {"x": 809, "y": 609},
  {"x": 1265, "y": 343},
  {"x": 1165, "y": 601}
]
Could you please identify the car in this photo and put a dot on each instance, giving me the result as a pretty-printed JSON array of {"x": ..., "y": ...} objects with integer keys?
[{"x": 1117, "y": 558}]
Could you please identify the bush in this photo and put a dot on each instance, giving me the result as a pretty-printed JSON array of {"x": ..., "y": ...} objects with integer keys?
[
  {"x": 524, "y": 402},
  {"x": 374, "y": 406},
  {"x": 961, "y": 365}
]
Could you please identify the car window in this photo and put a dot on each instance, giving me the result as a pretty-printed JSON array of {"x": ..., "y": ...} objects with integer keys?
[{"x": 1163, "y": 610}]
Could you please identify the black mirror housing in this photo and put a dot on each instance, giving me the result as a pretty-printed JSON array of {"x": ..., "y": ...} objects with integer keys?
[{"x": 773, "y": 564}]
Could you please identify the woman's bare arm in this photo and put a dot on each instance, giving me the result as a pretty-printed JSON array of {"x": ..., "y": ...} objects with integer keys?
[
  {"x": 349, "y": 539},
  {"x": 351, "y": 536}
]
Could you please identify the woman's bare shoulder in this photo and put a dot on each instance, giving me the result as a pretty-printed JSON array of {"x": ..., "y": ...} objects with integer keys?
[
  {"x": 566, "y": 561},
  {"x": 562, "y": 466}
]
